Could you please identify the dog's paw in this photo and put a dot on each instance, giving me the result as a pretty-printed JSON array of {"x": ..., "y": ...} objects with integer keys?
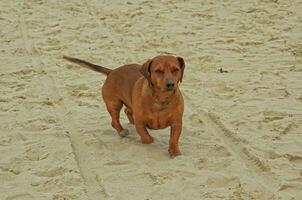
[
  {"x": 174, "y": 152},
  {"x": 147, "y": 140},
  {"x": 124, "y": 133}
]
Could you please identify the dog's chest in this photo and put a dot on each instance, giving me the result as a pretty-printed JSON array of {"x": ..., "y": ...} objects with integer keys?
[{"x": 158, "y": 120}]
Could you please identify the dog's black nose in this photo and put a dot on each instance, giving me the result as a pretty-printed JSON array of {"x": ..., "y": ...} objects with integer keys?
[{"x": 170, "y": 84}]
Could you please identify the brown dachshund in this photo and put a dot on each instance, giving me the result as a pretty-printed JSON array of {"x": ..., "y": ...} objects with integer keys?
[{"x": 150, "y": 94}]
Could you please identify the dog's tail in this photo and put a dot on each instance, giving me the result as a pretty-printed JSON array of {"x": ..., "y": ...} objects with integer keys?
[{"x": 88, "y": 65}]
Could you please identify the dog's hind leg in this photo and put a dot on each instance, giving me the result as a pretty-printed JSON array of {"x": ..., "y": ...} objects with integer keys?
[
  {"x": 129, "y": 115},
  {"x": 114, "y": 108}
]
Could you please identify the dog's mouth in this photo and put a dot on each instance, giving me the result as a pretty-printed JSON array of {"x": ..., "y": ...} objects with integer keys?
[
  {"x": 170, "y": 89},
  {"x": 166, "y": 89}
]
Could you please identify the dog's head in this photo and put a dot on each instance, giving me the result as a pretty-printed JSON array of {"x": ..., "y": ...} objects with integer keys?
[{"x": 164, "y": 72}]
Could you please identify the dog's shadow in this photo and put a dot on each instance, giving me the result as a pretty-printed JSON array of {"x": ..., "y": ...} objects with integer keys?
[{"x": 131, "y": 146}]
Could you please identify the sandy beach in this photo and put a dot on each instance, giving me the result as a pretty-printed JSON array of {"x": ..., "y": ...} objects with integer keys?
[{"x": 242, "y": 129}]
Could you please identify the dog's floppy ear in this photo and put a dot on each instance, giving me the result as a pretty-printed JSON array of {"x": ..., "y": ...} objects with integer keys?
[
  {"x": 182, "y": 66},
  {"x": 145, "y": 70}
]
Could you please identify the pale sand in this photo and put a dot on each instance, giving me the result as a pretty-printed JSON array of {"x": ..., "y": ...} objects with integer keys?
[{"x": 242, "y": 129}]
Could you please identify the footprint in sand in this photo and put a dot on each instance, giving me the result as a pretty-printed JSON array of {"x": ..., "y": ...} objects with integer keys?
[
  {"x": 161, "y": 178},
  {"x": 24, "y": 72},
  {"x": 80, "y": 91},
  {"x": 297, "y": 159},
  {"x": 213, "y": 164},
  {"x": 218, "y": 151},
  {"x": 296, "y": 50},
  {"x": 15, "y": 166},
  {"x": 64, "y": 196},
  {"x": 12, "y": 138},
  {"x": 291, "y": 188},
  {"x": 35, "y": 125},
  {"x": 268, "y": 92},
  {"x": 218, "y": 180},
  {"x": 271, "y": 115},
  {"x": 57, "y": 171},
  {"x": 35, "y": 153}
]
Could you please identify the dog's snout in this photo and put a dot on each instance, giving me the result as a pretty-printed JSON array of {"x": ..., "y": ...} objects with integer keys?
[{"x": 170, "y": 84}]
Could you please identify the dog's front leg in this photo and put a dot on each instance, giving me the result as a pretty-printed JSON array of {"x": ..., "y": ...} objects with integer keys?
[
  {"x": 174, "y": 137},
  {"x": 143, "y": 133}
]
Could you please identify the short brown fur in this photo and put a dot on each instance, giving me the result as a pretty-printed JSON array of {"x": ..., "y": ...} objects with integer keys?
[{"x": 149, "y": 93}]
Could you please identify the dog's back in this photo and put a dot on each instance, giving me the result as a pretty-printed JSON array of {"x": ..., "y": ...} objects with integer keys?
[{"x": 120, "y": 82}]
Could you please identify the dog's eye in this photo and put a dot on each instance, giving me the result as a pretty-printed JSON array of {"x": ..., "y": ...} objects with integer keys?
[
  {"x": 175, "y": 70},
  {"x": 159, "y": 71}
]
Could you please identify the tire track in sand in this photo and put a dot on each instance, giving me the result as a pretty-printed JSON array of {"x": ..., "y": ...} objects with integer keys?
[
  {"x": 255, "y": 167},
  {"x": 95, "y": 186},
  {"x": 102, "y": 28},
  {"x": 63, "y": 114}
]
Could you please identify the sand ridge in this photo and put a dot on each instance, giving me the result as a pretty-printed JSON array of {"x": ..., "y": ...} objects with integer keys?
[{"x": 242, "y": 128}]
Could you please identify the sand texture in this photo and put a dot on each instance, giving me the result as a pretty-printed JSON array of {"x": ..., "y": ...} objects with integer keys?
[{"x": 242, "y": 133}]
